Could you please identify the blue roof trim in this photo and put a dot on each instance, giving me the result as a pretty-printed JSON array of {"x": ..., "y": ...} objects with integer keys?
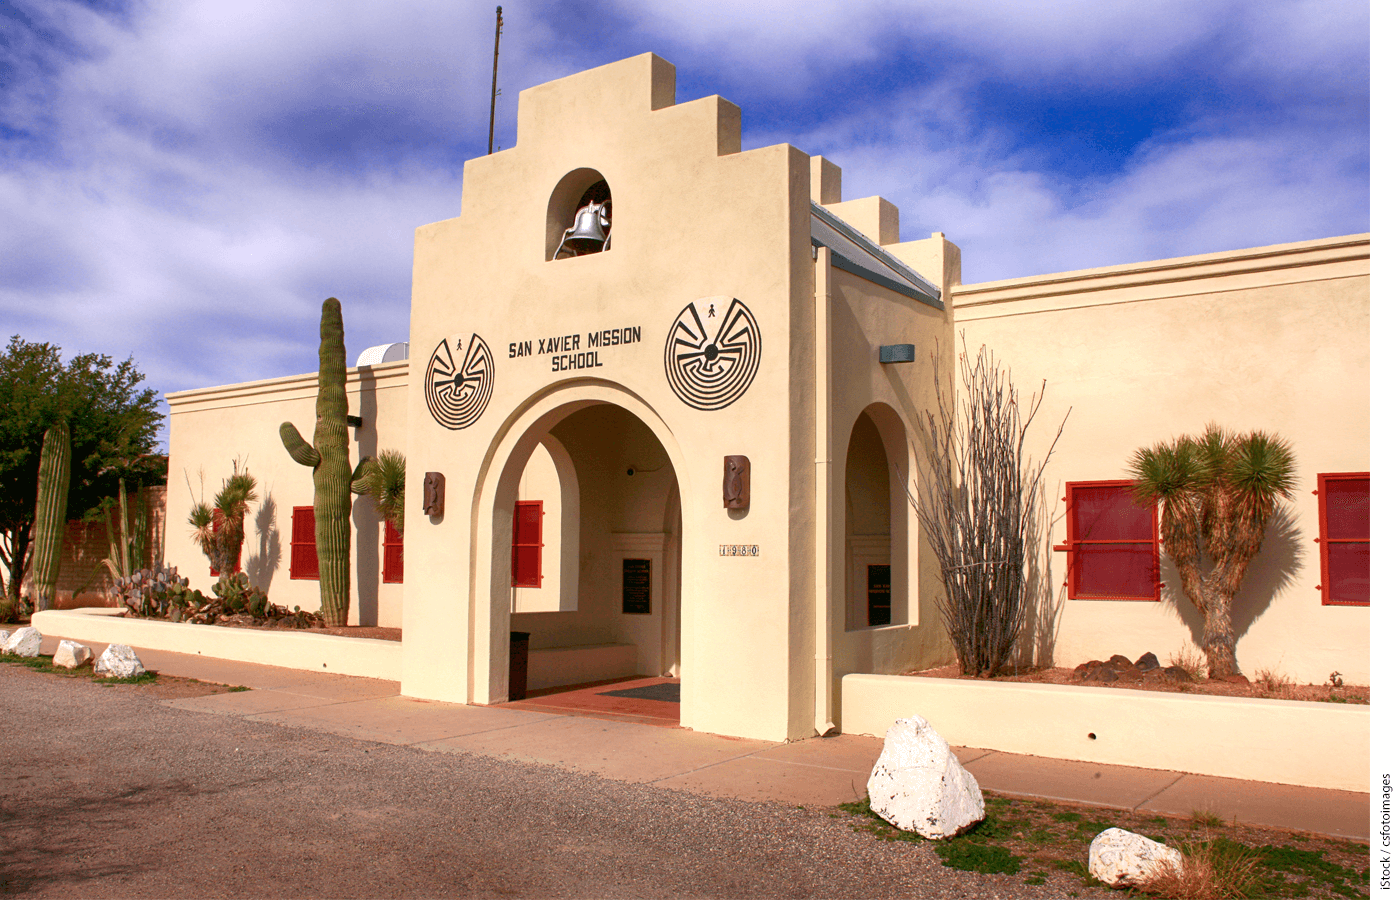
[{"x": 898, "y": 277}]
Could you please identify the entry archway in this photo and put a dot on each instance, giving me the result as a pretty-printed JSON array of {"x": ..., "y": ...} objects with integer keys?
[{"x": 631, "y": 488}]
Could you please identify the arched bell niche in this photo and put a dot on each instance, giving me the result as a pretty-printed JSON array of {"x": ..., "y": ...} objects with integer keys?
[{"x": 573, "y": 226}]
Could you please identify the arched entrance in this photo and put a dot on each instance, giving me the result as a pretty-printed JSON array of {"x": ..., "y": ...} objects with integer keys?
[
  {"x": 598, "y": 586},
  {"x": 878, "y": 522}
]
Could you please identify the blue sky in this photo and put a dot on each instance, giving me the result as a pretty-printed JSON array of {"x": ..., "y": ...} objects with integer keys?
[{"x": 184, "y": 181}]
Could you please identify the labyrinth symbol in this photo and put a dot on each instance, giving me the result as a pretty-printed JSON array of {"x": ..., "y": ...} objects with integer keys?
[
  {"x": 712, "y": 360},
  {"x": 458, "y": 384}
]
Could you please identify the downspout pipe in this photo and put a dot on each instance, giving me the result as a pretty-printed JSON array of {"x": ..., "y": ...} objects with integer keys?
[{"x": 824, "y": 670}]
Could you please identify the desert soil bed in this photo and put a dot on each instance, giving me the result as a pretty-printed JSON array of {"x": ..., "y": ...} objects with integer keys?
[{"x": 1274, "y": 690}]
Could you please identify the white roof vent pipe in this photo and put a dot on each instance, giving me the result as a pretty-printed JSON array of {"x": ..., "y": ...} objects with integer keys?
[{"x": 383, "y": 353}]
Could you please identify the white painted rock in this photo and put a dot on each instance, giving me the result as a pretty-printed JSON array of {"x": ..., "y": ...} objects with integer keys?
[
  {"x": 4, "y": 636},
  {"x": 118, "y": 661},
  {"x": 1121, "y": 858},
  {"x": 71, "y": 655},
  {"x": 919, "y": 785},
  {"x": 24, "y": 642}
]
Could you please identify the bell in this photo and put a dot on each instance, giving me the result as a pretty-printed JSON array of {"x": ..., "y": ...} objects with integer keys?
[{"x": 590, "y": 233}]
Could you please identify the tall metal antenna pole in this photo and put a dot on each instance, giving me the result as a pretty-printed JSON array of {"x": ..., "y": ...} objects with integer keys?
[{"x": 495, "y": 61}]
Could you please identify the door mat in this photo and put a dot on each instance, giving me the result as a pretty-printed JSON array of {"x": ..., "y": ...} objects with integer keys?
[{"x": 667, "y": 691}]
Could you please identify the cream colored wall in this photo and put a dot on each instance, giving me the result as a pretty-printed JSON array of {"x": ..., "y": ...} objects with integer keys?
[
  {"x": 895, "y": 397},
  {"x": 1324, "y": 745},
  {"x": 694, "y": 220},
  {"x": 212, "y": 426},
  {"x": 1274, "y": 338}
]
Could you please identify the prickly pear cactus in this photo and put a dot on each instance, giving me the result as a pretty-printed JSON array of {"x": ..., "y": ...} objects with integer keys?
[
  {"x": 50, "y": 512},
  {"x": 329, "y": 458}
]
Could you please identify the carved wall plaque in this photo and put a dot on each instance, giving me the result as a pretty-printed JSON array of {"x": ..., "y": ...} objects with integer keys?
[
  {"x": 736, "y": 482},
  {"x": 434, "y": 485}
]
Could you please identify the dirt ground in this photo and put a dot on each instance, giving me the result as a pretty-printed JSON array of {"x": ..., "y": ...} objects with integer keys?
[
  {"x": 1259, "y": 688},
  {"x": 107, "y": 792}
]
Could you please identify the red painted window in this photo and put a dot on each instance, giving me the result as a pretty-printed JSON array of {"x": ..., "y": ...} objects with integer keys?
[
  {"x": 393, "y": 554},
  {"x": 527, "y": 544},
  {"x": 304, "y": 562},
  {"x": 1344, "y": 522},
  {"x": 1112, "y": 543},
  {"x": 237, "y": 563}
]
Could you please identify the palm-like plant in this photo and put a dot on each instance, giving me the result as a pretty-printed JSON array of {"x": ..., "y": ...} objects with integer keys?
[
  {"x": 384, "y": 478},
  {"x": 1217, "y": 493},
  {"x": 218, "y": 529}
]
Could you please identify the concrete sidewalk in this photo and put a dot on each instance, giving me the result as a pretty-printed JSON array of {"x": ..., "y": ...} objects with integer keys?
[{"x": 816, "y": 772}]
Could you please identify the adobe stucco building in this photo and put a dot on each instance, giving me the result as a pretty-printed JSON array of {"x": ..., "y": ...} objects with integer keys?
[{"x": 584, "y": 402}]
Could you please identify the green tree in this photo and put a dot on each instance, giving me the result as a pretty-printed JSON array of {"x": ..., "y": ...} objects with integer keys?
[
  {"x": 1217, "y": 493},
  {"x": 112, "y": 418}
]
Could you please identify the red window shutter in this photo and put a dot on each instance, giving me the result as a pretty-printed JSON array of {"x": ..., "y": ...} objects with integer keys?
[
  {"x": 393, "y": 554},
  {"x": 304, "y": 561},
  {"x": 1112, "y": 543},
  {"x": 1344, "y": 523},
  {"x": 527, "y": 544}
]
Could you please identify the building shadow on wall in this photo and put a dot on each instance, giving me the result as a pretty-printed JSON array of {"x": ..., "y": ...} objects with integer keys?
[
  {"x": 1045, "y": 600},
  {"x": 1277, "y": 567},
  {"x": 265, "y": 556}
]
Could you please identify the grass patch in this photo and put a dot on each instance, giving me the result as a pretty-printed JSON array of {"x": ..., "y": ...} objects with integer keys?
[
  {"x": 989, "y": 859},
  {"x": 235, "y": 688},
  {"x": 1048, "y": 844},
  {"x": 42, "y": 663}
]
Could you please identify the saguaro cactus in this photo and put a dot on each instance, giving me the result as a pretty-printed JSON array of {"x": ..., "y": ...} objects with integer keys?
[
  {"x": 50, "y": 512},
  {"x": 329, "y": 459}
]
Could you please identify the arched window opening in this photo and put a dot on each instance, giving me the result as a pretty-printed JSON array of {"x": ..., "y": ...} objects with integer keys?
[
  {"x": 580, "y": 218},
  {"x": 877, "y": 528}
]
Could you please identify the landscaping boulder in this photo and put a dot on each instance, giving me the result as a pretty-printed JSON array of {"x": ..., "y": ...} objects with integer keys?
[
  {"x": 918, "y": 784},
  {"x": 1147, "y": 662},
  {"x": 71, "y": 655},
  {"x": 24, "y": 642},
  {"x": 4, "y": 636},
  {"x": 118, "y": 661},
  {"x": 1121, "y": 858}
]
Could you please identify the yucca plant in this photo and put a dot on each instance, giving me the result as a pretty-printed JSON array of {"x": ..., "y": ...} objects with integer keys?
[
  {"x": 218, "y": 528},
  {"x": 384, "y": 478},
  {"x": 1217, "y": 493}
]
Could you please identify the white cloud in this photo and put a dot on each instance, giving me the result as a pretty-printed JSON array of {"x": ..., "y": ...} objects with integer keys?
[{"x": 199, "y": 175}]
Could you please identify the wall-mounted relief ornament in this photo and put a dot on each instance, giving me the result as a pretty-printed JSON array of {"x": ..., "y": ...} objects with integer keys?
[
  {"x": 712, "y": 353},
  {"x": 459, "y": 380}
]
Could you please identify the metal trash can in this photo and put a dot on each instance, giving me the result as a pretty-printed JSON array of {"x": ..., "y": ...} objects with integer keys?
[{"x": 519, "y": 664}]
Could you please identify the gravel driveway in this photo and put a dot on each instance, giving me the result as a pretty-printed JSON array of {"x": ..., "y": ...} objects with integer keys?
[{"x": 104, "y": 792}]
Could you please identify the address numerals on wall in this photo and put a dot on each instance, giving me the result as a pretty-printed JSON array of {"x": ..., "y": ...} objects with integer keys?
[
  {"x": 712, "y": 353},
  {"x": 459, "y": 380}
]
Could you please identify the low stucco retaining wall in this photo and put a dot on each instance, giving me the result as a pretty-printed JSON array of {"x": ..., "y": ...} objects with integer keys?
[
  {"x": 1289, "y": 742},
  {"x": 288, "y": 649},
  {"x": 553, "y": 666}
]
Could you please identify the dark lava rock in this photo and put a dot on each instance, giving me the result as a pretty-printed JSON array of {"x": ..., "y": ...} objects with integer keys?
[
  {"x": 1147, "y": 662},
  {"x": 1174, "y": 673},
  {"x": 1236, "y": 679},
  {"x": 287, "y": 622},
  {"x": 1120, "y": 662},
  {"x": 1102, "y": 673}
]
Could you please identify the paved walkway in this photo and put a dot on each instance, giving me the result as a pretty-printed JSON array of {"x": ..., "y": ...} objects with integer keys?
[{"x": 816, "y": 772}]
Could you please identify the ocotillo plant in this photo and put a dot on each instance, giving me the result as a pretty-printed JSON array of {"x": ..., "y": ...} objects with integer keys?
[
  {"x": 50, "y": 512},
  {"x": 329, "y": 460}
]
